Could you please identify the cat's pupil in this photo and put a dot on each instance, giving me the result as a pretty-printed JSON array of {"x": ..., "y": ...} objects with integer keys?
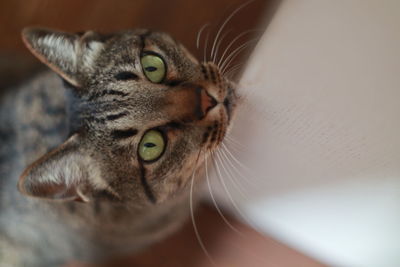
[
  {"x": 151, "y": 68},
  {"x": 149, "y": 145}
]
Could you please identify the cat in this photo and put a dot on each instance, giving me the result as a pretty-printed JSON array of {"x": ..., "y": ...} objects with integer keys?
[{"x": 97, "y": 155}]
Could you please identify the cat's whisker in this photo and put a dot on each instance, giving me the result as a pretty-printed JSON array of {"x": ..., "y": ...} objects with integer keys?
[
  {"x": 229, "y": 59},
  {"x": 199, "y": 34},
  {"x": 234, "y": 158},
  {"x": 237, "y": 171},
  {"x": 234, "y": 204},
  {"x": 234, "y": 141},
  {"x": 226, "y": 21},
  {"x": 233, "y": 70},
  {"x": 205, "y": 47},
  {"x": 235, "y": 66},
  {"x": 236, "y": 174},
  {"x": 233, "y": 146},
  {"x": 232, "y": 43},
  {"x": 215, "y": 202},
  {"x": 195, "y": 228},
  {"x": 214, "y": 58},
  {"x": 237, "y": 147},
  {"x": 242, "y": 235},
  {"x": 199, "y": 239},
  {"x": 232, "y": 76},
  {"x": 229, "y": 139},
  {"x": 234, "y": 54},
  {"x": 231, "y": 176}
]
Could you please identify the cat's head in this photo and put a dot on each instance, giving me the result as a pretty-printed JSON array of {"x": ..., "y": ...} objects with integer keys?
[{"x": 143, "y": 113}]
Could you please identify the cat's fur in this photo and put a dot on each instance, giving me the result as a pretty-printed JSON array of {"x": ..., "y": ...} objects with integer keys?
[{"x": 71, "y": 143}]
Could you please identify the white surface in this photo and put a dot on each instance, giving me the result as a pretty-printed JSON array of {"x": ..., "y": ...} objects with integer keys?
[{"x": 320, "y": 132}]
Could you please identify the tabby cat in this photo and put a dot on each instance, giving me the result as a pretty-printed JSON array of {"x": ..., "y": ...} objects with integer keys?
[{"x": 97, "y": 155}]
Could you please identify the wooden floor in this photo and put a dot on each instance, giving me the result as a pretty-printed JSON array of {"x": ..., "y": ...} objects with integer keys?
[{"x": 226, "y": 248}]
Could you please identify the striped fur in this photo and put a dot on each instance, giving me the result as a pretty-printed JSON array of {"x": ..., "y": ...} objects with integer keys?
[{"x": 71, "y": 144}]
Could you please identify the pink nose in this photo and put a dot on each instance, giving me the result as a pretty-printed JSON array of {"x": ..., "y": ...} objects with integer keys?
[{"x": 207, "y": 102}]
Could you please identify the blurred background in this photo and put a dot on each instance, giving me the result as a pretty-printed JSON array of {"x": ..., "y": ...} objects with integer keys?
[
  {"x": 181, "y": 18},
  {"x": 318, "y": 161},
  {"x": 317, "y": 146}
]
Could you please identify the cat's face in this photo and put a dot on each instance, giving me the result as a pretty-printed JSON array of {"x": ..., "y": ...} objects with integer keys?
[{"x": 143, "y": 113}]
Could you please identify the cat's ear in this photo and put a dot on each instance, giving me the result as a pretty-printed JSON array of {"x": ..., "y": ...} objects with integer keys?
[
  {"x": 58, "y": 50},
  {"x": 64, "y": 53},
  {"x": 66, "y": 173}
]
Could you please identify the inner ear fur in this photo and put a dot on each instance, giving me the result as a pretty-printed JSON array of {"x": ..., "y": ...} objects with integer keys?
[
  {"x": 65, "y": 53},
  {"x": 58, "y": 50},
  {"x": 66, "y": 173}
]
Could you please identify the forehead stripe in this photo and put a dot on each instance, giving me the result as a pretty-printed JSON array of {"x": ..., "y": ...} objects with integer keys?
[
  {"x": 146, "y": 187},
  {"x": 116, "y": 116},
  {"x": 107, "y": 92},
  {"x": 122, "y": 134}
]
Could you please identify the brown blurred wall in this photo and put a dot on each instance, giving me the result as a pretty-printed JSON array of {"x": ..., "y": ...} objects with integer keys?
[{"x": 181, "y": 18}]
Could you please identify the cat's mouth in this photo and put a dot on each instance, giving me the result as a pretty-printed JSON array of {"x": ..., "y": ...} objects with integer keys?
[
  {"x": 218, "y": 113},
  {"x": 208, "y": 102},
  {"x": 218, "y": 90}
]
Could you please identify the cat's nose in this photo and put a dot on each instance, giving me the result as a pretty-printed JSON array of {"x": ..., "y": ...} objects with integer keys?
[{"x": 207, "y": 102}]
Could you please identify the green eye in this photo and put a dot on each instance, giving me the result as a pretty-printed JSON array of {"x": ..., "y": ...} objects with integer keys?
[
  {"x": 153, "y": 67},
  {"x": 151, "y": 146}
]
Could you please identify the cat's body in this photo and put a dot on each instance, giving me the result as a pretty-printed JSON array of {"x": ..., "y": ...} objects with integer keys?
[
  {"x": 33, "y": 121},
  {"x": 119, "y": 206}
]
